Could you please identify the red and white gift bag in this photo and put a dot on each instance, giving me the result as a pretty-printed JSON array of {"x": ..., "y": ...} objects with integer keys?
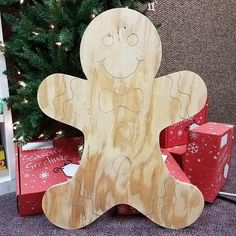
[{"x": 207, "y": 158}]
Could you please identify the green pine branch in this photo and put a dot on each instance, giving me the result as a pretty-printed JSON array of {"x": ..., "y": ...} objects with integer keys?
[{"x": 8, "y": 2}]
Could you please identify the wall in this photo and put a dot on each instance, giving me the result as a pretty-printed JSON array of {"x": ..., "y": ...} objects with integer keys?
[{"x": 200, "y": 36}]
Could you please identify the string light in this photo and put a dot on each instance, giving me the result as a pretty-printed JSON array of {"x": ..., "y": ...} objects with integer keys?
[
  {"x": 18, "y": 72},
  {"x": 25, "y": 101},
  {"x": 41, "y": 136},
  {"x": 21, "y": 1},
  {"x": 21, "y": 138},
  {"x": 81, "y": 149},
  {"x": 52, "y": 26},
  {"x": 2, "y": 46},
  {"x": 15, "y": 124},
  {"x": 59, "y": 132},
  {"x": 22, "y": 83},
  {"x": 58, "y": 44},
  {"x": 93, "y": 15},
  {"x": 35, "y": 33}
]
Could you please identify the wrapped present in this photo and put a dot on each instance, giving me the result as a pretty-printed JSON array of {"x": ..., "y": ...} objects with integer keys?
[
  {"x": 177, "y": 134},
  {"x": 173, "y": 167},
  {"x": 3, "y": 161},
  {"x": 124, "y": 209},
  {"x": 174, "y": 170},
  {"x": 39, "y": 165},
  {"x": 178, "y": 153},
  {"x": 207, "y": 158}
]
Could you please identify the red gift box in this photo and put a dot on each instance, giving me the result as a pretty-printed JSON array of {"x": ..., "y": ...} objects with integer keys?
[
  {"x": 52, "y": 162},
  {"x": 174, "y": 170},
  {"x": 207, "y": 159},
  {"x": 178, "y": 153},
  {"x": 124, "y": 209},
  {"x": 177, "y": 134}
]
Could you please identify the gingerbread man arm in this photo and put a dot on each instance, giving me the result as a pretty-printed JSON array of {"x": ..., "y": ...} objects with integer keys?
[
  {"x": 179, "y": 96},
  {"x": 65, "y": 98}
]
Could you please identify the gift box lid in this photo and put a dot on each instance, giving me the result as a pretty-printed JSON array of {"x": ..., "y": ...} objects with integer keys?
[
  {"x": 180, "y": 150},
  {"x": 213, "y": 128}
]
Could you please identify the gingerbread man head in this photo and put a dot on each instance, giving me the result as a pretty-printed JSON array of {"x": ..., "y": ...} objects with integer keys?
[{"x": 121, "y": 43}]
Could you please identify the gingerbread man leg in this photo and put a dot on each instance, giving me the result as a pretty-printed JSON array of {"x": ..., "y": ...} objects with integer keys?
[{"x": 169, "y": 203}]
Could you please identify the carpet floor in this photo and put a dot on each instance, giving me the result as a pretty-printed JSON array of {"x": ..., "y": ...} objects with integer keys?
[{"x": 217, "y": 219}]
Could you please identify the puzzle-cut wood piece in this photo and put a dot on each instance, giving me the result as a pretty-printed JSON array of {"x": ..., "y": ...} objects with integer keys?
[{"x": 121, "y": 110}]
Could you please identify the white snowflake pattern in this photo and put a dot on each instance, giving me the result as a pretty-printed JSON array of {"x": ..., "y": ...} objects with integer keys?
[
  {"x": 26, "y": 175},
  {"x": 193, "y": 147},
  {"x": 180, "y": 132},
  {"x": 44, "y": 175},
  {"x": 194, "y": 135}
]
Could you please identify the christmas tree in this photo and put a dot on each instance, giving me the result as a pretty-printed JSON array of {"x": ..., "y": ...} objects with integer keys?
[{"x": 45, "y": 39}]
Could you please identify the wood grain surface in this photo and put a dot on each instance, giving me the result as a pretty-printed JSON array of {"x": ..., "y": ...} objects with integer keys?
[{"x": 121, "y": 109}]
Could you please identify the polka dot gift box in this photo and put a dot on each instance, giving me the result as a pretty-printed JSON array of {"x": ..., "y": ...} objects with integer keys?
[
  {"x": 207, "y": 158},
  {"x": 39, "y": 165}
]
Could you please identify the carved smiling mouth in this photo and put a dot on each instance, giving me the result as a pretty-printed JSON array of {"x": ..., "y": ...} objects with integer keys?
[{"x": 120, "y": 77}]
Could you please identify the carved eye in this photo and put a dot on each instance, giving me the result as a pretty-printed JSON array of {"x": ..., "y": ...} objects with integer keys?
[
  {"x": 108, "y": 40},
  {"x": 132, "y": 39}
]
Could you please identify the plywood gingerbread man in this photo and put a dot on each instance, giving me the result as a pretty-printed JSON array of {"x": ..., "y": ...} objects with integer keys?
[{"x": 121, "y": 110}]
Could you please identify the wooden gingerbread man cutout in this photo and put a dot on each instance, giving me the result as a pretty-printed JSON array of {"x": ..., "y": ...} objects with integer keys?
[{"x": 121, "y": 110}]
